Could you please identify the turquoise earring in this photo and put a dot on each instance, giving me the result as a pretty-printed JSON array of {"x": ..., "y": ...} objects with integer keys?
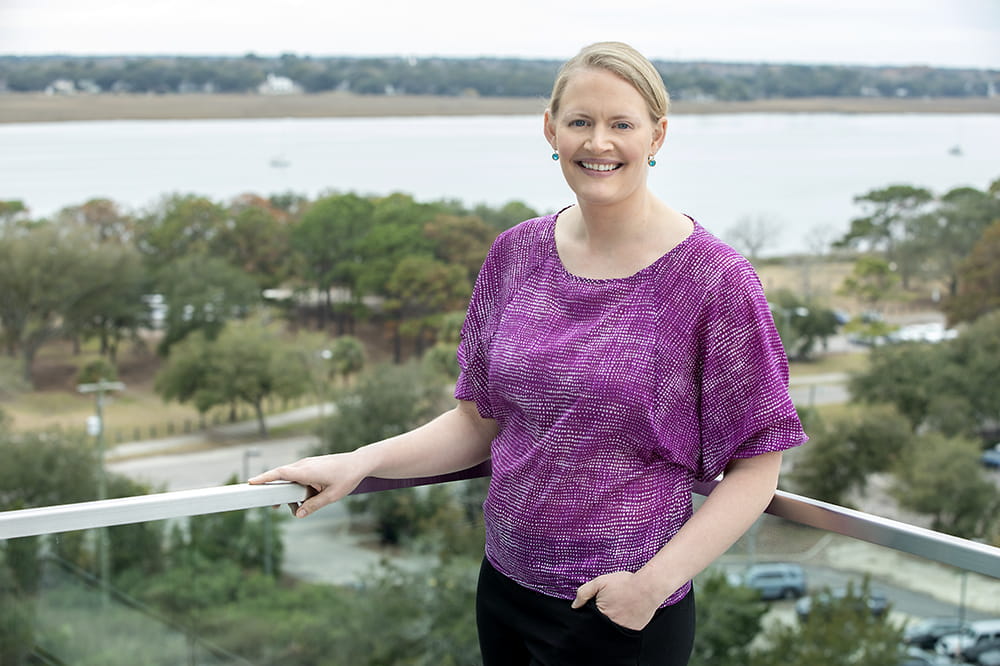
[
  {"x": 555, "y": 156},
  {"x": 652, "y": 162}
]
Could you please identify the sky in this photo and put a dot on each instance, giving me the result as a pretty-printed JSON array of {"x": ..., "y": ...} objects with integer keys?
[{"x": 941, "y": 33}]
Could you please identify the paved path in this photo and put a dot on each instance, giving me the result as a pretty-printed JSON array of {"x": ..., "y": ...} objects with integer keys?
[{"x": 240, "y": 429}]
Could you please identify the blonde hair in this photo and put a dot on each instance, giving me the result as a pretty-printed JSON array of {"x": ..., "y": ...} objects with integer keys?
[{"x": 623, "y": 61}]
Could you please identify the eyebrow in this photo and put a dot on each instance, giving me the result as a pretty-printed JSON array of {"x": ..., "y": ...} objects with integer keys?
[{"x": 616, "y": 117}]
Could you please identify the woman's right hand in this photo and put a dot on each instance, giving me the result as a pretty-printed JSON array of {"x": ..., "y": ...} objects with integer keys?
[{"x": 327, "y": 478}]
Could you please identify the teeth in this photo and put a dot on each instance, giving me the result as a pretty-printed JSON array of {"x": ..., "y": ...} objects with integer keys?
[{"x": 599, "y": 167}]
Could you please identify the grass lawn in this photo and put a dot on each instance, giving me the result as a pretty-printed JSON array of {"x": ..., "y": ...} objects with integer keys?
[
  {"x": 135, "y": 413},
  {"x": 846, "y": 362}
]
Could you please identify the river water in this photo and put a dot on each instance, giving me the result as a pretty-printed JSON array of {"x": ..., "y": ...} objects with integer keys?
[{"x": 801, "y": 171}]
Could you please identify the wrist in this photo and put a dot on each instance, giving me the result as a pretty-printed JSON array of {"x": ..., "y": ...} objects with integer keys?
[
  {"x": 367, "y": 460},
  {"x": 656, "y": 585}
]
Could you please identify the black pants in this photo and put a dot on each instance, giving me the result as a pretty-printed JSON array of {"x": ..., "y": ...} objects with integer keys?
[{"x": 521, "y": 627}]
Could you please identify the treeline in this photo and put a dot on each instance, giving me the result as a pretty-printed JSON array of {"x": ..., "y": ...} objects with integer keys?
[
  {"x": 191, "y": 264},
  {"x": 488, "y": 77}
]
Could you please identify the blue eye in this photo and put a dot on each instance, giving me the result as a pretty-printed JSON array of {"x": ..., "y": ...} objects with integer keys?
[
  {"x": 622, "y": 126},
  {"x": 578, "y": 123}
]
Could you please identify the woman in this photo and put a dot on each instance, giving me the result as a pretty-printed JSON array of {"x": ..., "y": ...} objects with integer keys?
[{"x": 612, "y": 354}]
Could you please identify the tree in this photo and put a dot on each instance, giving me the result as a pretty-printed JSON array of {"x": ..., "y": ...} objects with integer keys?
[
  {"x": 948, "y": 386},
  {"x": 115, "y": 310},
  {"x": 241, "y": 537},
  {"x": 841, "y": 631},
  {"x": 728, "y": 619},
  {"x": 954, "y": 228},
  {"x": 327, "y": 239},
  {"x": 505, "y": 217},
  {"x": 461, "y": 240},
  {"x": 247, "y": 363},
  {"x": 136, "y": 547},
  {"x": 12, "y": 210},
  {"x": 888, "y": 226},
  {"x": 751, "y": 234},
  {"x": 397, "y": 232},
  {"x": 978, "y": 280},
  {"x": 900, "y": 375},
  {"x": 842, "y": 454},
  {"x": 394, "y": 616},
  {"x": 347, "y": 356},
  {"x": 12, "y": 381},
  {"x": 387, "y": 401},
  {"x": 49, "y": 277},
  {"x": 17, "y": 622},
  {"x": 327, "y": 361},
  {"x": 181, "y": 225},
  {"x": 419, "y": 291},
  {"x": 871, "y": 280},
  {"x": 102, "y": 218},
  {"x": 442, "y": 358},
  {"x": 942, "y": 477},
  {"x": 202, "y": 293},
  {"x": 966, "y": 401},
  {"x": 255, "y": 239},
  {"x": 802, "y": 324},
  {"x": 187, "y": 375}
]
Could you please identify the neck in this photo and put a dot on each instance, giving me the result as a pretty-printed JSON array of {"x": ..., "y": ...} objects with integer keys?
[{"x": 608, "y": 226}]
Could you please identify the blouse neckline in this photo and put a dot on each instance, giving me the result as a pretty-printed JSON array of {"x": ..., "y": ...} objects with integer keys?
[{"x": 550, "y": 234}]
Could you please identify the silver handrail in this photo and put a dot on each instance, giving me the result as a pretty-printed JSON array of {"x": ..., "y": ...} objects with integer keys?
[{"x": 928, "y": 544}]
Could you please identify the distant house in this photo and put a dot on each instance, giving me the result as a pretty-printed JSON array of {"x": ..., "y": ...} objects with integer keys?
[
  {"x": 88, "y": 86},
  {"x": 61, "y": 87},
  {"x": 278, "y": 85}
]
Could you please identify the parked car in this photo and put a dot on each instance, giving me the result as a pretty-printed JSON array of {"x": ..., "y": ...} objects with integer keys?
[
  {"x": 925, "y": 633},
  {"x": 774, "y": 580},
  {"x": 914, "y": 656},
  {"x": 991, "y": 456},
  {"x": 955, "y": 644},
  {"x": 989, "y": 658},
  {"x": 983, "y": 652},
  {"x": 875, "y": 601}
]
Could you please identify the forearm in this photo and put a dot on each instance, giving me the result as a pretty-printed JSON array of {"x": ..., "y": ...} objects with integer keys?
[
  {"x": 455, "y": 440},
  {"x": 732, "y": 507}
]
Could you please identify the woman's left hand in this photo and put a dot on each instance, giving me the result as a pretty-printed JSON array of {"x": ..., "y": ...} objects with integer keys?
[{"x": 620, "y": 597}]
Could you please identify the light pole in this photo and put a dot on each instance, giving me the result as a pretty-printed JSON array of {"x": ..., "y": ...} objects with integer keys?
[
  {"x": 95, "y": 427},
  {"x": 267, "y": 555},
  {"x": 247, "y": 455},
  {"x": 325, "y": 355}
]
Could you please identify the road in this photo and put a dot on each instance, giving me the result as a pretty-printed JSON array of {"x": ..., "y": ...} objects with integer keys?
[
  {"x": 320, "y": 548},
  {"x": 821, "y": 389}
]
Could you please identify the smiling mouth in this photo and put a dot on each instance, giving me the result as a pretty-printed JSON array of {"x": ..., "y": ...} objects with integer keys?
[{"x": 593, "y": 166}]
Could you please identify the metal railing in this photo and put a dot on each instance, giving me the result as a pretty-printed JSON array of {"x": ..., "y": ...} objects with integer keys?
[{"x": 928, "y": 544}]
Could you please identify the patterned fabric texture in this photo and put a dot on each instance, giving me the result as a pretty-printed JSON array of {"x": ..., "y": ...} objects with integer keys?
[{"x": 612, "y": 396}]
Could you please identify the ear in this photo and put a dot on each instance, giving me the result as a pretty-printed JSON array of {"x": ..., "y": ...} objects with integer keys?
[
  {"x": 549, "y": 129},
  {"x": 659, "y": 135}
]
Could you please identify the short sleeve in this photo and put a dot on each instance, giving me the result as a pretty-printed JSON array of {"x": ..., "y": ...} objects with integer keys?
[
  {"x": 477, "y": 330},
  {"x": 744, "y": 406}
]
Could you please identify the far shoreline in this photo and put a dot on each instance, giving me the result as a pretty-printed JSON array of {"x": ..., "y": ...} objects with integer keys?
[{"x": 41, "y": 108}]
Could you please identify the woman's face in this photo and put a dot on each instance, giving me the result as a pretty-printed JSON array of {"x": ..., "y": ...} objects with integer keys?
[{"x": 604, "y": 135}]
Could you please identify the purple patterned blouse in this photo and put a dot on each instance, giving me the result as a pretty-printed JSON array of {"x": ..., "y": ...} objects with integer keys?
[{"x": 611, "y": 397}]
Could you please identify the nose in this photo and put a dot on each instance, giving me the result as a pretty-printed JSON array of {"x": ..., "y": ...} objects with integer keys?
[{"x": 600, "y": 140}]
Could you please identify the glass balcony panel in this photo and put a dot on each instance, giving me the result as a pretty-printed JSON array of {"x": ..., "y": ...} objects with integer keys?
[
  {"x": 194, "y": 588},
  {"x": 56, "y": 610}
]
